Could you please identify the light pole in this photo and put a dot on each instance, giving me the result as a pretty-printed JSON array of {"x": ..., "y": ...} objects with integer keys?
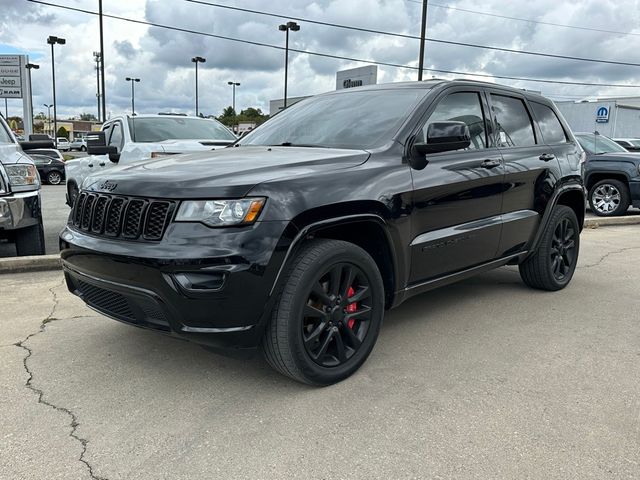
[
  {"x": 423, "y": 30},
  {"x": 29, "y": 67},
  {"x": 102, "y": 89},
  {"x": 97, "y": 57},
  {"x": 294, "y": 27},
  {"x": 48, "y": 107},
  {"x": 52, "y": 41},
  {"x": 133, "y": 94},
  {"x": 234, "y": 85},
  {"x": 197, "y": 60}
]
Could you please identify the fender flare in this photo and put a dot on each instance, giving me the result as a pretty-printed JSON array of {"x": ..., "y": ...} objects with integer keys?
[
  {"x": 550, "y": 206},
  {"x": 318, "y": 225}
]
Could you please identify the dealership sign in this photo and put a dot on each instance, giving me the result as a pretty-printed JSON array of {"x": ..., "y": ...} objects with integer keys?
[
  {"x": 357, "y": 77},
  {"x": 602, "y": 114},
  {"x": 11, "y": 75}
]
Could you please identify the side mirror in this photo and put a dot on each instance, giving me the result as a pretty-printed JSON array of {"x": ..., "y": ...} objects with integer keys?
[
  {"x": 33, "y": 144},
  {"x": 96, "y": 143},
  {"x": 114, "y": 156},
  {"x": 444, "y": 137}
]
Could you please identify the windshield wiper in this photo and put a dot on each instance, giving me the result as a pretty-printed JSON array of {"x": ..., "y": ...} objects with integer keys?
[{"x": 290, "y": 144}]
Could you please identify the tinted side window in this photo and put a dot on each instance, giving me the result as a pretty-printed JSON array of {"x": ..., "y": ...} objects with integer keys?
[
  {"x": 514, "y": 127},
  {"x": 550, "y": 126},
  {"x": 116, "y": 136},
  {"x": 461, "y": 107}
]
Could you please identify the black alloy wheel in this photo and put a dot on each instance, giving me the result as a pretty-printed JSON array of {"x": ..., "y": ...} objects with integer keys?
[
  {"x": 552, "y": 265},
  {"x": 328, "y": 313},
  {"x": 337, "y": 314},
  {"x": 563, "y": 249}
]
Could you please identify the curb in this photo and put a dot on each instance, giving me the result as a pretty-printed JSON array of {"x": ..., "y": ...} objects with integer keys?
[
  {"x": 36, "y": 263},
  {"x": 595, "y": 222}
]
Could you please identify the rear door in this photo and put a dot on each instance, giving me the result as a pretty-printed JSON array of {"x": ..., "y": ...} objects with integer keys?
[
  {"x": 531, "y": 169},
  {"x": 458, "y": 195}
]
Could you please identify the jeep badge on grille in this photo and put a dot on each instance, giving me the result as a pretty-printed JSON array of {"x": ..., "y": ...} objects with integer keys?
[{"x": 108, "y": 186}]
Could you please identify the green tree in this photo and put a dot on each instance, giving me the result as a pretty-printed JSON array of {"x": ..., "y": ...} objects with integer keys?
[
  {"x": 62, "y": 132},
  {"x": 88, "y": 117},
  {"x": 40, "y": 116}
]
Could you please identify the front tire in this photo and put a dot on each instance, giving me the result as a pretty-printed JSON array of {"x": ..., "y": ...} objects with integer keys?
[
  {"x": 609, "y": 198},
  {"x": 328, "y": 315},
  {"x": 552, "y": 266}
]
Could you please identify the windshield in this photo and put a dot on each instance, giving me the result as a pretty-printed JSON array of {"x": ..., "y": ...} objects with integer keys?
[
  {"x": 635, "y": 143},
  {"x": 355, "y": 120},
  {"x": 4, "y": 135},
  {"x": 598, "y": 144},
  {"x": 156, "y": 129}
]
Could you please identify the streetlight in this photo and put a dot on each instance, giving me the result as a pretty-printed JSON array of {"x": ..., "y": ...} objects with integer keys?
[
  {"x": 234, "y": 85},
  {"x": 294, "y": 27},
  {"x": 197, "y": 60},
  {"x": 133, "y": 94},
  {"x": 29, "y": 67},
  {"x": 52, "y": 41},
  {"x": 97, "y": 57},
  {"x": 48, "y": 107}
]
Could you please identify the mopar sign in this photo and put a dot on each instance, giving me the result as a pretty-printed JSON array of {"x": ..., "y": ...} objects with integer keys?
[{"x": 602, "y": 114}]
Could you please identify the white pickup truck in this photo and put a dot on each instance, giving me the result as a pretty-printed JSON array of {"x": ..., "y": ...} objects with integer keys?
[{"x": 143, "y": 137}]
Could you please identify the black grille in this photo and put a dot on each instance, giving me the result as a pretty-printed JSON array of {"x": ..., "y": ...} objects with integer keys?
[
  {"x": 109, "y": 302},
  {"x": 115, "y": 216}
]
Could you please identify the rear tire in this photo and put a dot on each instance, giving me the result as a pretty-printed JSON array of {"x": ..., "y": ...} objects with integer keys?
[
  {"x": 552, "y": 266},
  {"x": 319, "y": 333},
  {"x": 30, "y": 241},
  {"x": 609, "y": 198},
  {"x": 54, "y": 178}
]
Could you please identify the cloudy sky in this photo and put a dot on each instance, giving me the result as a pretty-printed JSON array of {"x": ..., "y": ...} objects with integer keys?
[{"x": 161, "y": 57}]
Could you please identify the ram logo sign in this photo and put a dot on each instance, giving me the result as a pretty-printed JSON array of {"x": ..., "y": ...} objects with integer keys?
[{"x": 602, "y": 114}]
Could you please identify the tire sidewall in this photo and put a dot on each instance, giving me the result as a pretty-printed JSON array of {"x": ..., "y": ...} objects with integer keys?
[
  {"x": 566, "y": 213},
  {"x": 311, "y": 370}
]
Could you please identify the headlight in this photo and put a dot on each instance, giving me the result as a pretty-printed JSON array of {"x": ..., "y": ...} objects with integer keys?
[
  {"x": 22, "y": 175},
  {"x": 221, "y": 213}
]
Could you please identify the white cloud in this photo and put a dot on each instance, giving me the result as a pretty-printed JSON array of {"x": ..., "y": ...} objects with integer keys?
[{"x": 161, "y": 58}]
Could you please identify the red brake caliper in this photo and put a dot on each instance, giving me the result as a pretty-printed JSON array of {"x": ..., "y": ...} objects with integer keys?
[{"x": 351, "y": 308}]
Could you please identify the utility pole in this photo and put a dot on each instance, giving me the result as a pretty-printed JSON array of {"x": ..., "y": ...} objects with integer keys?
[
  {"x": 102, "y": 90},
  {"x": 423, "y": 32}
]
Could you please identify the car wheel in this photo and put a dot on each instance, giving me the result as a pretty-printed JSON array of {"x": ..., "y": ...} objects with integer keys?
[
  {"x": 552, "y": 266},
  {"x": 54, "y": 178},
  {"x": 83, "y": 149},
  {"x": 328, "y": 314},
  {"x": 609, "y": 198},
  {"x": 30, "y": 240}
]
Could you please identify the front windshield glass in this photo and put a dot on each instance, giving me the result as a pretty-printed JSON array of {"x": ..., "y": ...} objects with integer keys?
[
  {"x": 159, "y": 129},
  {"x": 356, "y": 120},
  {"x": 635, "y": 143},
  {"x": 4, "y": 135},
  {"x": 598, "y": 144}
]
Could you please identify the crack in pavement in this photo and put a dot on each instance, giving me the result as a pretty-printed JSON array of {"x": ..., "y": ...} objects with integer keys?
[
  {"x": 605, "y": 256},
  {"x": 29, "y": 384}
]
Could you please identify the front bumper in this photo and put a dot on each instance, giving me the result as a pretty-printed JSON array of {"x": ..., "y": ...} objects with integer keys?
[
  {"x": 20, "y": 210},
  {"x": 209, "y": 286}
]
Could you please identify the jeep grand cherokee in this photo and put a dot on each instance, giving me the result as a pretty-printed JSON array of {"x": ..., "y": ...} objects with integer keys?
[{"x": 299, "y": 237}]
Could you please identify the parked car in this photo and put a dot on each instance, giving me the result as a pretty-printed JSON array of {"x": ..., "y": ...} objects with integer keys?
[
  {"x": 143, "y": 137},
  {"x": 302, "y": 234},
  {"x": 612, "y": 175},
  {"x": 50, "y": 165},
  {"x": 63, "y": 144},
  {"x": 20, "y": 206},
  {"x": 79, "y": 144},
  {"x": 630, "y": 144}
]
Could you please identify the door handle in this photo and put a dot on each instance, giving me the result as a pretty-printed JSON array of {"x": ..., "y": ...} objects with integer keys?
[
  {"x": 490, "y": 163},
  {"x": 102, "y": 164},
  {"x": 545, "y": 157},
  {"x": 90, "y": 165}
]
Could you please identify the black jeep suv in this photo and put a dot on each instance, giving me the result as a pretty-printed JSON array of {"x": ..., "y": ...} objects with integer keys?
[
  {"x": 299, "y": 237},
  {"x": 611, "y": 175}
]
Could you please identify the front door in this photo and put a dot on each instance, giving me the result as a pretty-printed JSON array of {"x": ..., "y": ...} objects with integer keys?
[{"x": 457, "y": 197}]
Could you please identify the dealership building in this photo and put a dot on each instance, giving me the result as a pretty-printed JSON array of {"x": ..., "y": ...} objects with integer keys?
[{"x": 614, "y": 117}]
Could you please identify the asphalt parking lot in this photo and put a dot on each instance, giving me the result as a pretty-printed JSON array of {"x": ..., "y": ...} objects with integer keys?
[{"x": 483, "y": 379}]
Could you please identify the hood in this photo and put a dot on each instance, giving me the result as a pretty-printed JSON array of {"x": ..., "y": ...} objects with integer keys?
[
  {"x": 617, "y": 157},
  {"x": 11, "y": 153},
  {"x": 226, "y": 173},
  {"x": 180, "y": 146}
]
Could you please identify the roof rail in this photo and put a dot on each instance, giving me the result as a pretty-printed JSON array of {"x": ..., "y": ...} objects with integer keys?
[{"x": 174, "y": 114}]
